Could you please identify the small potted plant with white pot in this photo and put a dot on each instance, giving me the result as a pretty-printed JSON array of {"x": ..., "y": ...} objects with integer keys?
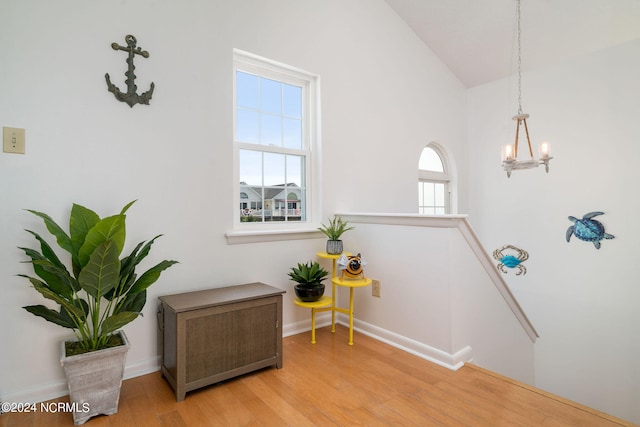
[
  {"x": 334, "y": 230},
  {"x": 100, "y": 295}
]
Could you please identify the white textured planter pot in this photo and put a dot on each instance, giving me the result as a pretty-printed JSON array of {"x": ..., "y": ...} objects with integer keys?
[
  {"x": 334, "y": 247},
  {"x": 94, "y": 380}
]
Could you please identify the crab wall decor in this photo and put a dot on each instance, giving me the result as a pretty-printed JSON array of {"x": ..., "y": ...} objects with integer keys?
[
  {"x": 588, "y": 229},
  {"x": 511, "y": 257}
]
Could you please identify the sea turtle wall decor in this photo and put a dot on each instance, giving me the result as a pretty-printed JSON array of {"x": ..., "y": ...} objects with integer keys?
[
  {"x": 588, "y": 229},
  {"x": 511, "y": 257}
]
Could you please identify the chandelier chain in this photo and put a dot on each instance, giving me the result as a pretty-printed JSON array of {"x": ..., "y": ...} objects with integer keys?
[
  {"x": 519, "y": 59},
  {"x": 510, "y": 160}
]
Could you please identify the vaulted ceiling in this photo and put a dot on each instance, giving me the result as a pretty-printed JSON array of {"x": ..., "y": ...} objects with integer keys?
[{"x": 477, "y": 38}]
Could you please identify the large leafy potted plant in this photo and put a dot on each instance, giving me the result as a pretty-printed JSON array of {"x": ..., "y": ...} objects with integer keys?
[
  {"x": 100, "y": 295},
  {"x": 334, "y": 230},
  {"x": 309, "y": 277}
]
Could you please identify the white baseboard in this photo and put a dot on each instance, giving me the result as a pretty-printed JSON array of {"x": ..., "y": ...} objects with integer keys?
[
  {"x": 39, "y": 393},
  {"x": 454, "y": 361},
  {"x": 58, "y": 388},
  {"x": 142, "y": 368},
  {"x": 442, "y": 358},
  {"x": 322, "y": 320}
]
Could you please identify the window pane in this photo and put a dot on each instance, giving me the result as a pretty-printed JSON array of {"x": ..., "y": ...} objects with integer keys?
[
  {"x": 430, "y": 160},
  {"x": 299, "y": 212},
  {"x": 295, "y": 167},
  {"x": 274, "y": 169},
  {"x": 246, "y": 90},
  {"x": 247, "y": 123},
  {"x": 251, "y": 167},
  {"x": 271, "y": 130},
  {"x": 292, "y": 133},
  {"x": 439, "y": 194},
  {"x": 429, "y": 192},
  {"x": 273, "y": 146},
  {"x": 271, "y": 96},
  {"x": 293, "y": 101},
  {"x": 431, "y": 197}
]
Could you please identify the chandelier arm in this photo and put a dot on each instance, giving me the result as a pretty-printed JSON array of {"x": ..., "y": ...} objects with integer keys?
[
  {"x": 528, "y": 140},
  {"x": 515, "y": 148}
]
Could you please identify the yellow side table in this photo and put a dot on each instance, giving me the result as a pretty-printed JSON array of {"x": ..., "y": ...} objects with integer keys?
[
  {"x": 328, "y": 303},
  {"x": 333, "y": 258},
  {"x": 323, "y": 304},
  {"x": 351, "y": 284}
]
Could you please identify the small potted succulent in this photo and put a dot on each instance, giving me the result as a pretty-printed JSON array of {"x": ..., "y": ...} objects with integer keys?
[
  {"x": 334, "y": 231},
  {"x": 309, "y": 277}
]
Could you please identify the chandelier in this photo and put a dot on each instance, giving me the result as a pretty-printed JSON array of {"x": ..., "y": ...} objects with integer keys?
[{"x": 510, "y": 160}]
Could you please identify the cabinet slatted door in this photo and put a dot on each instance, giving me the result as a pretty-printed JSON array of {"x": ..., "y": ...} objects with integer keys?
[{"x": 210, "y": 336}]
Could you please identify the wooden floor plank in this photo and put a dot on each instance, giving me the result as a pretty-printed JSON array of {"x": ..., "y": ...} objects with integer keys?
[{"x": 334, "y": 384}]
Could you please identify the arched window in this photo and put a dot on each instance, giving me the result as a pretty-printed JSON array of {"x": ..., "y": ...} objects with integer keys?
[
  {"x": 243, "y": 201},
  {"x": 434, "y": 191}
]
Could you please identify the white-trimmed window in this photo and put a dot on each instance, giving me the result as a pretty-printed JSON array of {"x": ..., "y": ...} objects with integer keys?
[
  {"x": 434, "y": 193},
  {"x": 275, "y": 144}
]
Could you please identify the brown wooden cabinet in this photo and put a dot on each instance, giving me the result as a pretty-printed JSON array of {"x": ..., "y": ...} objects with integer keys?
[{"x": 213, "y": 335}]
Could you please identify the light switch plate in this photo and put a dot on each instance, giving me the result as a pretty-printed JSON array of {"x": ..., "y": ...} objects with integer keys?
[{"x": 13, "y": 140}]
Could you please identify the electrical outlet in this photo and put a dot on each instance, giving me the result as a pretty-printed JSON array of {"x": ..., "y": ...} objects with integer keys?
[
  {"x": 13, "y": 140},
  {"x": 375, "y": 288}
]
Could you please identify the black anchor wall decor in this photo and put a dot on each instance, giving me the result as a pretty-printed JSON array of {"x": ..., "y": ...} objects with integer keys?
[{"x": 131, "y": 97}]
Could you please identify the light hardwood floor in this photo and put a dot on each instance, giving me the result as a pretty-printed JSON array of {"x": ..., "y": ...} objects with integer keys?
[{"x": 333, "y": 384}]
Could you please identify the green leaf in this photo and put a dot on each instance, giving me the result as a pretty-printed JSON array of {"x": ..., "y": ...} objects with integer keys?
[
  {"x": 115, "y": 322},
  {"x": 102, "y": 271},
  {"x": 145, "y": 250},
  {"x": 49, "y": 294},
  {"x": 51, "y": 315},
  {"x": 47, "y": 251},
  {"x": 129, "y": 262},
  {"x": 310, "y": 273},
  {"x": 80, "y": 222},
  {"x": 134, "y": 302},
  {"x": 56, "y": 278},
  {"x": 127, "y": 270},
  {"x": 111, "y": 228},
  {"x": 48, "y": 277},
  {"x": 127, "y": 206},
  {"x": 82, "y": 307},
  {"x": 62, "y": 238},
  {"x": 150, "y": 276},
  {"x": 127, "y": 274}
]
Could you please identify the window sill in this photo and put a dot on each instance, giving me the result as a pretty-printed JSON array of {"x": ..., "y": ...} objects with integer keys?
[{"x": 259, "y": 236}]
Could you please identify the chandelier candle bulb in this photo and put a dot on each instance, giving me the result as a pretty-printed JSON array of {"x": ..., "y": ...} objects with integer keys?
[
  {"x": 507, "y": 152},
  {"x": 545, "y": 150}
]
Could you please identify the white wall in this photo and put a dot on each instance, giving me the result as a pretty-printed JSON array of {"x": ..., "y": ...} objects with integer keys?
[
  {"x": 384, "y": 96},
  {"x": 583, "y": 301},
  {"x": 436, "y": 297}
]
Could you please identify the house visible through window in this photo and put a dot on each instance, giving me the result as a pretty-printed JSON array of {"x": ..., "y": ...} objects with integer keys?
[
  {"x": 273, "y": 139},
  {"x": 433, "y": 183}
]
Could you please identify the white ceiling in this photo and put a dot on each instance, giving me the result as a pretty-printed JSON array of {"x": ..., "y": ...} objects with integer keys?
[{"x": 477, "y": 38}]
